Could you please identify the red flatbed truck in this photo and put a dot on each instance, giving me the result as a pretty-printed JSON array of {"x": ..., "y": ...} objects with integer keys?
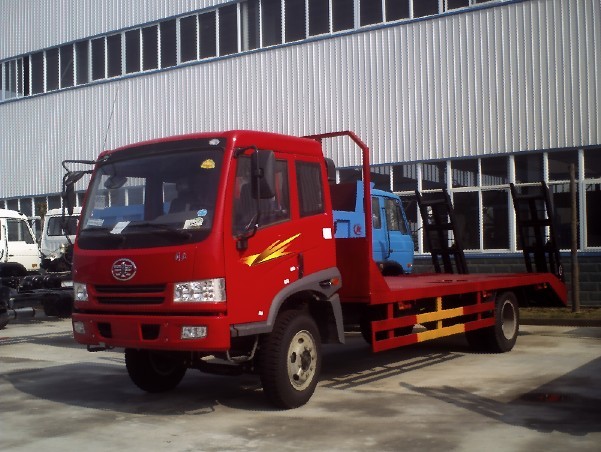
[{"x": 217, "y": 252}]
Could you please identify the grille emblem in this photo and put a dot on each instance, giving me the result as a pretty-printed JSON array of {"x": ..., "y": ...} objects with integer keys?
[{"x": 123, "y": 269}]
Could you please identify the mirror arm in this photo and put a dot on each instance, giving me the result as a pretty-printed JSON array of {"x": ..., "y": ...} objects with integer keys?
[
  {"x": 84, "y": 162},
  {"x": 238, "y": 152}
]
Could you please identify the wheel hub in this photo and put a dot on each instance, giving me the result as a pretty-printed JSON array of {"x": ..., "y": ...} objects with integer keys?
[
  {"x": 509, "y": 320},
  {"x": 301, "y": 360}
]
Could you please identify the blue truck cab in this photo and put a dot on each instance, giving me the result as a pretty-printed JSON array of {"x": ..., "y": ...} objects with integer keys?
[{"x": 392, "y": 242}]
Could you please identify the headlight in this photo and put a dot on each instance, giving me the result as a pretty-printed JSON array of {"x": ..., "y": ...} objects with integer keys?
[
  {"x": 79, "y": 327},
  {"x": 80, "y": 292},
  {"x": 203, "y": 291},
  {"x": 194, "y": 332}
]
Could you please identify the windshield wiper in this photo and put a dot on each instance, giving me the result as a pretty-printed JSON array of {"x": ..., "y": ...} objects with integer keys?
[
  {"x": 95, "y": 229},
  {"x": 161, "y": 227},
  {"x": 104, "y": 233}
]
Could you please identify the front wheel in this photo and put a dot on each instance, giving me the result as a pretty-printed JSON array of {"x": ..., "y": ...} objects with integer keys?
[
  {"x": 154, "y": 371},
  {"x": 290, "y": 359},
  {"x": 502, "y": 336}
]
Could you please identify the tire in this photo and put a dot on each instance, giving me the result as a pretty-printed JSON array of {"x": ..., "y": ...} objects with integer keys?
[
  {"x": 65, "y": 307},
  {"x": 290, "y": 360},
  {"x": 392, "y": 270},
  {"x": 4, "y": 305},
  {"x": 49, "y": 309},
  {"x": 58, "y": 305},
  {"x": 154, "y": 371},
  {"x": 503, "y": 335}
]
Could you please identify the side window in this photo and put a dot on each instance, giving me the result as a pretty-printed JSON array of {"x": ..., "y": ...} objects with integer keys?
[
  {"x": 273, "y": 210},
  {"x": 310, "y": 188},
  {"x": 282, "y": 191},
  {"x": 13, "y": 230},
  {"x": 375, "y": 213},
  {"x": 394, "y": 216},
  {"x": 18, "y": 231}
]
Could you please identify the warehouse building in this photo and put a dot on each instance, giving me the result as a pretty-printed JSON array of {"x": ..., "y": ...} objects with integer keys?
[{"x": 470, "y": 95}]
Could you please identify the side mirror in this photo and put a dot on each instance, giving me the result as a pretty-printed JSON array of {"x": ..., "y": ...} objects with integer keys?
[
  {"x": 115, "y": 182},
  {"x": 263, "y": 174},
  {"x": 69, "y": 197},
  {"x": 331, "y": 169},
  {"x": 68, "y": 193},
  {"x": 262, "y": 166}
]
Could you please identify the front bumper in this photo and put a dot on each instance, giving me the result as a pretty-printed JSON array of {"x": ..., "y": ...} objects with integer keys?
[{"x": 157, "y": 332}]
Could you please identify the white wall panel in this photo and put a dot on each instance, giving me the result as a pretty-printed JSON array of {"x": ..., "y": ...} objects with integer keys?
[{"x": 516, "y": 77}]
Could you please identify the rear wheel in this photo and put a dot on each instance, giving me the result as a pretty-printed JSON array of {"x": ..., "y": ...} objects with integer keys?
[
  {"x": 503, "y": 335},
  {"x": 4, "y": 305},
  {"x": 154, "y": 371},
  {"x": 290, "y": 359},
  {"x": 57, "y": 305},
  {"x": 3, "y": 319}
]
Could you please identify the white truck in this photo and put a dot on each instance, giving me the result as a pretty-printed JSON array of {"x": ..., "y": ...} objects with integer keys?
[
  {"x": 17, "y": 241},
  {"x": 19, "y": 257},
  {"x": 52, "y": 288},
  {"x": 58, "y": 232}
]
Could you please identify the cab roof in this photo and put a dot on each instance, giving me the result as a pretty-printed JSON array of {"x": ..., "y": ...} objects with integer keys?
[
  {"x": 55, "y": 212},
  {"x": 240, "y": 138},
  {"x": 5, "y": 213}
]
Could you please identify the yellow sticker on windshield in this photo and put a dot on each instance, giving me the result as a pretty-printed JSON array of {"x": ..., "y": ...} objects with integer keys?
[{"x": 208, "y": 164}]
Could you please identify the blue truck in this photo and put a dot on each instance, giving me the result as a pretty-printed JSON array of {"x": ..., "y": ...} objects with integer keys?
[{"x": 393, "y": 245}]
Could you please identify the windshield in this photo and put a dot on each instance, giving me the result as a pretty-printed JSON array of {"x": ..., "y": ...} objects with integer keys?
[
  {"x": 56, "y": 226},
  {"x": 149, "y": 199}
]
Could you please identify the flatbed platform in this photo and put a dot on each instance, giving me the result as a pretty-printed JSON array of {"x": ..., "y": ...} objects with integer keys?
[
  {"x": 378, "y": 289},
  {"x": 432, "y": 285}
]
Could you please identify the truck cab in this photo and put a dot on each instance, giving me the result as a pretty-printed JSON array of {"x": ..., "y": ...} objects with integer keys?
[
  {"x": 392, "y": 242},
  {"x": 58, "y": 231},
  {"x": 192, "y": 246},
  {"x": 17, "y": 241}
]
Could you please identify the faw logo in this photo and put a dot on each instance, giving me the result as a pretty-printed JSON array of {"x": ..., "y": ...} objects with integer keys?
[
  {"x": 123, "y": 269},
  {"x": 274, "y": 251}
]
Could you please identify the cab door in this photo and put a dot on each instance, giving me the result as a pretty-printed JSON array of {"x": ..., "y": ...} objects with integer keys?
[
  {"x": 293, "y": 240},
  {"x": 400, "y": 240},
  {"x": 380, "y": 237},
  {"x": 262, "y": 253},
  {"x": 20, "y": 244}
]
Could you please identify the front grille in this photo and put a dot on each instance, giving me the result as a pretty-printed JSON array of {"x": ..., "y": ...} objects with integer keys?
[
  {"x": 130, "y": 300},
  {"x": 132, "y": 295},
  {"x": 155, "y": 288}
]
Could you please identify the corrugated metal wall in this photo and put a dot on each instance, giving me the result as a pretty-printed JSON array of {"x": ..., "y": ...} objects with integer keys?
[
  {"x": 31, "y": 25},
  {"x": 516, "y": 77}
]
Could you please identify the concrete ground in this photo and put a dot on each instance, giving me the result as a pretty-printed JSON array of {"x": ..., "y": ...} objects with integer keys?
[{"x": 544, "y": 395}]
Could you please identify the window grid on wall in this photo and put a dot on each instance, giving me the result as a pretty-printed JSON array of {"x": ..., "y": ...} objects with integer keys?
[
  {"x": 485, "y": 200},
  {"x": 237, "y": 27}
]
